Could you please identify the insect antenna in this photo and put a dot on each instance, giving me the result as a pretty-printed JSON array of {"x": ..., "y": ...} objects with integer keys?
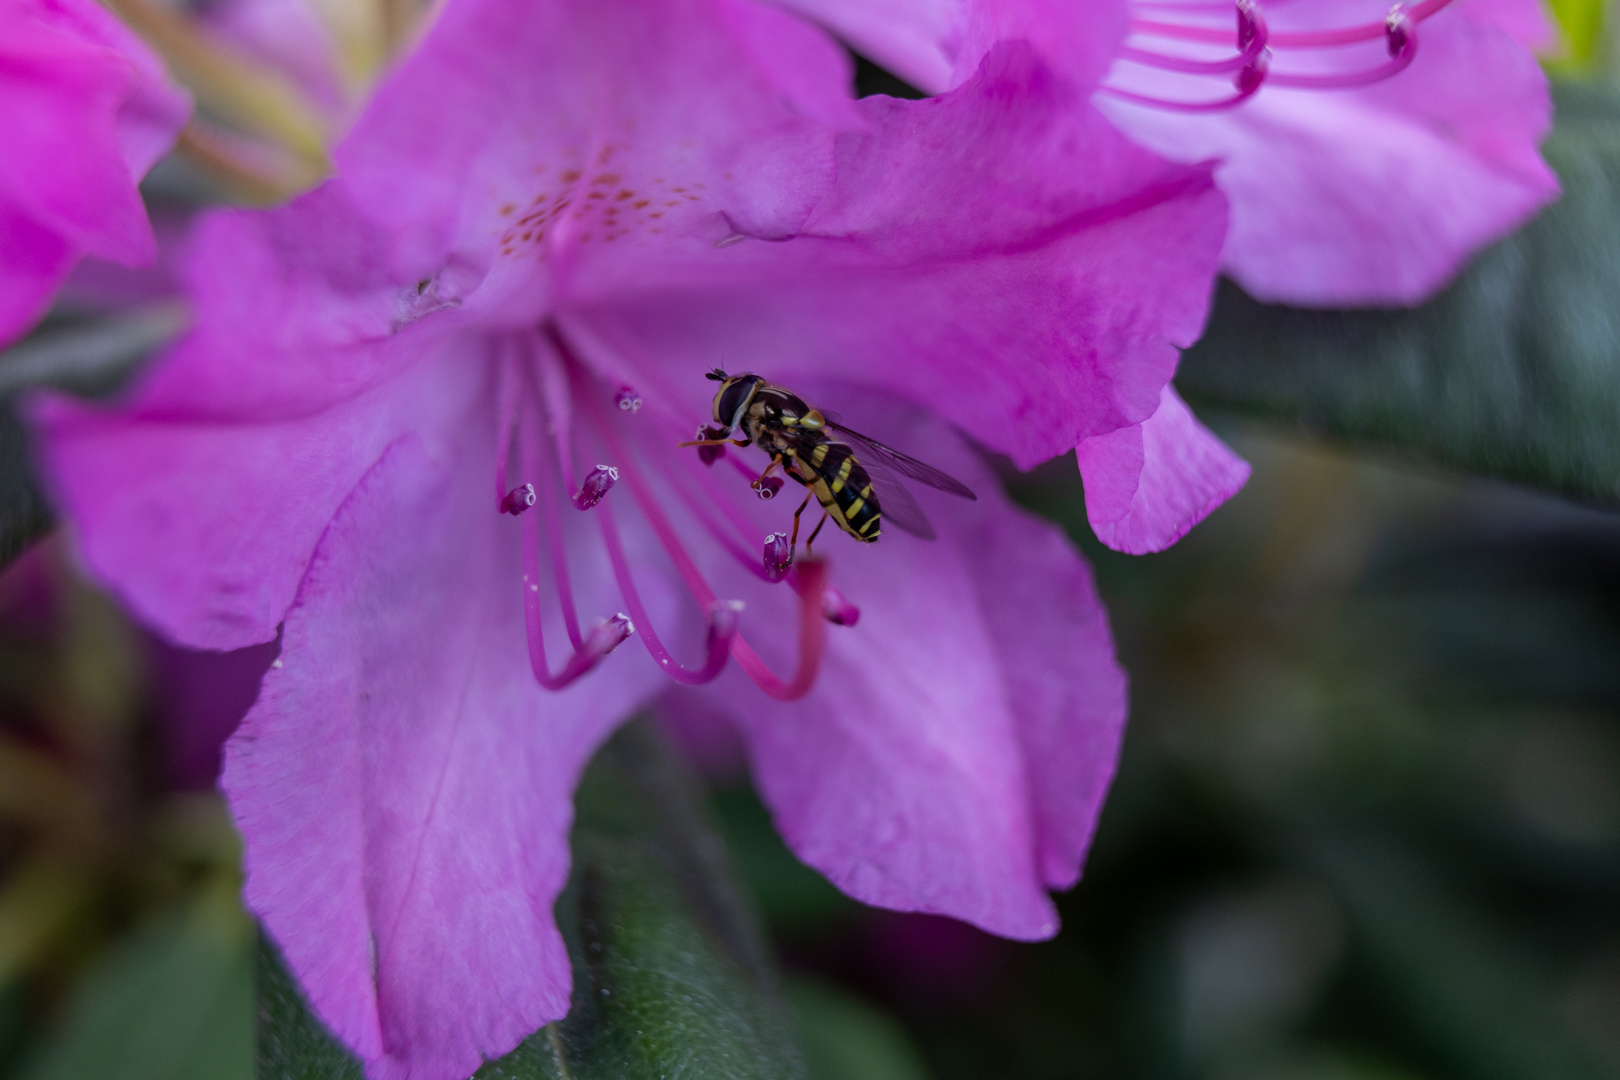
[{"x": 717, "y": 375}]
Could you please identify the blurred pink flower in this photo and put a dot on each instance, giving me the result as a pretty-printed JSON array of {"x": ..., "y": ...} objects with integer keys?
[
  {"x": 1368, "y": 151},
  {"x": 549, "y": 223},
  {"x": 85, "y": 110}
]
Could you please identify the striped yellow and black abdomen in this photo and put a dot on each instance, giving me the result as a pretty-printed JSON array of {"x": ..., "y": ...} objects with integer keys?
[{"x": 844, "y": 489}]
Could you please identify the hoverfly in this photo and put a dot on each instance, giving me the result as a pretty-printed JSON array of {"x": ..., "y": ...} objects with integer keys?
[{"x": 850, "y": 475}]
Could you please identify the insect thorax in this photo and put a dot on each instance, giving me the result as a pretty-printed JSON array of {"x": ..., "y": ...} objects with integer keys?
[{"x": 772, "y": 421}]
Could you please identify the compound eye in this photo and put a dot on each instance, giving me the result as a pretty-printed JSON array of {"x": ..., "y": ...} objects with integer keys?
[{"x": 729, "y": 402}]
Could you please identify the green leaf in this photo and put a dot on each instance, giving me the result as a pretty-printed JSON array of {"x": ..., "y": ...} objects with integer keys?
[
  {"x": 1458, "y": 983},
  {"x": 794, "y": 899},
  {"x": 1512, "y": 372},
  {"x": 174, "y": 1001},
  {"x": 671, "y": 975},
  {"x": 847, "y": 1039},
  {"x": 291, "y": 1043},
  {"x": 92, "y": 358}
]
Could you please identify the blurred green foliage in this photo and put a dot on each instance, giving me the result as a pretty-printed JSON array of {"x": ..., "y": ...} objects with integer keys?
[
  {"x": 172, "y": 1001},
  {"x": 115, "y": 892}
]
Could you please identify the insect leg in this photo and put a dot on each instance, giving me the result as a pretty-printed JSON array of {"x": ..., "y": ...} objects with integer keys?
[
  {"x": 710, "y": 442},
  {"x": 792, "y": 541},
  {"x": 772, "y": 467},
  {"x": 816, "y": 532}
]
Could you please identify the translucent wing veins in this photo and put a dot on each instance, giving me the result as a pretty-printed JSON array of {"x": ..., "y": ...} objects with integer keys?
[{"x": 906, "y": 465}]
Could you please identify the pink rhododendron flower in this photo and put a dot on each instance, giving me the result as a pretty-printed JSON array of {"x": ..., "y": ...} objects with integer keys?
[
  {"x": 85, "y": 110},
  {"x": 426, "y": 425},
  {"x": 1368, "y": 151}
]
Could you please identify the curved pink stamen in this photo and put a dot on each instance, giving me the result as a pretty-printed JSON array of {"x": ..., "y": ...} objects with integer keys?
[
  {"x": 601, "y": 641},
  {"x": 655, "y": 514},
  {"x": 809, "y": 578},
  {"x": 678, "y": 478},
  {"x": 722, "y": 614},
  {"x": 1182, "y": 64},
  {"x": 1252, "y": 35},
  {"x": 556, "y": 400},
  {"x": 722, "y": 617},
  {"x": 1351, "y": 79},
  {"x": 1212, "y": 35},
  {"x": 807, "y": 581},
  {"x": 536, "y": 464},
  {"x": 1398, "y": 30},
  {"x": 1245, "y": 92},
  {"x": 1351, "y": 35},
  {"x": 1203, "y": 7}
]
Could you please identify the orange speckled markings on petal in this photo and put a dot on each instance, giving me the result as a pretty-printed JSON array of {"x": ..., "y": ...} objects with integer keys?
[{"x": 610, "y": 208}]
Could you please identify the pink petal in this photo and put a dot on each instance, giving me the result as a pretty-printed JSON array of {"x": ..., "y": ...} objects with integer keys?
[
  {"x": 84, "y": 112},
  {"x": 937, "y": 44},
  {"x": 155, "y": 109},
  {"x": 1148, "y": 484},
  {"x": 999, "y": 254},
  {"x": 954, "y": 753},
  {"x": 201, "y": 500},
  {"x": 404, "y": 787},
  {"x": 285, "y": 327},
  {"x": 1376, "y": 195},
  {"x": 1084, "y": 264},
  {"x": 1062, "y": 681},
  {"x": 36, "y": 261},
  {"x": 1369, "y": 196},
  {"x": 205, "y": 528},
  {"x": 1526, "y": 21},
  {"x": 561, "y": 147}
]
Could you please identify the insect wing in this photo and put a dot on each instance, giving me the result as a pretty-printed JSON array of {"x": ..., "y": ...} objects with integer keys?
[
  {"x": 905, "y": 465},
  {"x": 897, "y": 505}
]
